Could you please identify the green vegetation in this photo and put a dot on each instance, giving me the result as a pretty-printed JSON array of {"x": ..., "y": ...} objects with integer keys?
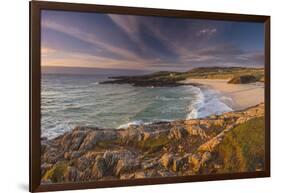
[
  {"x": 244, "y": 79},
  {"x": 166, "y": 78},
  {"x": 243, "y": 147},
  {"x": 106, "y": 144},
  {"x": 225, "y": 72},
  {"x": 56, "y": 173},
  {"x": 154, "y": 144},
  {"x": 207, "y": 73}
]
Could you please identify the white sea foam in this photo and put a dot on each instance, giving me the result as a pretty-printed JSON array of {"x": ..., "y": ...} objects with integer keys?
[
  {"x": 163, "y": 98},
  {"x": 208, "y": 102},
  {"x": 75, "y": 101},
  {"x": 140, "y": 122},
  {"x": 196, "y": 104},
  {"x": 126, "y": 125},
  {"x": 53, "y": 132},
  {"x": 94, "y": 83}
]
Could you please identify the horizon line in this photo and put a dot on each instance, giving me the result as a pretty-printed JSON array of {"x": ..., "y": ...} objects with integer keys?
[{"x": 86, "y": 67}]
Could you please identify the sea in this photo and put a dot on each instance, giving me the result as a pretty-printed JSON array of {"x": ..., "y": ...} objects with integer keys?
[{"x": 70, "y": 100}]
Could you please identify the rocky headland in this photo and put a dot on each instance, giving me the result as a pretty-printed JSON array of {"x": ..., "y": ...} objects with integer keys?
[
  {"x": 238, "y": 75},
  {"x": 230, "y": 142}
]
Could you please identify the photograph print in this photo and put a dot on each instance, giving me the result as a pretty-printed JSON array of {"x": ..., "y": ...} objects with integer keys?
[{"x": 137, "y": 97}]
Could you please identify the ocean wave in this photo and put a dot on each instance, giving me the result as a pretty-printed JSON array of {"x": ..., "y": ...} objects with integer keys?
[
  {"x": 75, "y": 107},
  {"x": 196, "y": 104},
  {"x": 126, "y": 125},
  {"x": 105, "y": 106},
  {"x": 57, "y": 130},
  {"x": 141, "y": 122},
  {"x": 163, "y": 98},
  {"x": 208, "y": 102}
]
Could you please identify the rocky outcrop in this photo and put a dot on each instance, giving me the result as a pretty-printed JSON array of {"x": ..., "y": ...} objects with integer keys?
[
  {"x": 181, "y": 147},
  {"x": 240, "y": 75},
  {"x": 245, "y": 79}
]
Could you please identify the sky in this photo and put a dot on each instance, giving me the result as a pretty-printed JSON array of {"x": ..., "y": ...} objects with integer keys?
[{"x": 114, "y": 41}]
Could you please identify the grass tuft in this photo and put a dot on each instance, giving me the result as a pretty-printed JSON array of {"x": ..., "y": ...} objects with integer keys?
[
  {"x": 154, "y": 144},
  {"x": 56, "y": 173},
  {"x": 243, "y": 147}
]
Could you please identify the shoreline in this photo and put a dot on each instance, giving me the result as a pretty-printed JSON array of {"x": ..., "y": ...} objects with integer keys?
[
  {"x": 180, "y": 147},
  {"x": 238, "y": 97},
  {"x": 243, "y": 95}
]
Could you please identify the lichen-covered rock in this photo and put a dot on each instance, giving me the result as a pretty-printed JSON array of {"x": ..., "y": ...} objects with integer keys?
[
  {"x": 211, "y": 144},
  {"x": 96, "y": 136},
  {"x": 111, "y": 158},
  {"x": 75, "y": 154},
  {"x": 127, "y": 176},
  {"x": 196, "y": 130},
  {"x": 71, "y": 174},
  {"x": 91, "y": 140},
  {"x": 66, "y": 140},
  {"x": 52, "y": 156},
  {"x": 130, "y": 135},
  {"x": 145, "y": 174},
  {"x": 45, "y": 167},
  {"x": 194, "y": 159},
  {"x": 83, "y": 163},
  {"x": 180, "y": 147},
  {"x": 166, "y": 160},
  {"x": 77, "y": 138},
  {"x": 165, "y": 173},
  {"x": 85, "y": 175},
  {"x": 177, "y": 133},
  {"x": 205, "y": 157},
  {"x": 56, "y": 173},
  {"x": 99, "y": 168},
  {"x": 178, "y": 163},
  {"x": 149, "y": 164},
  {"x": 126, "y": 165}
]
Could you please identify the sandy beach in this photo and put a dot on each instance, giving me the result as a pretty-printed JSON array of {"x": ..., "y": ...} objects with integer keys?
[{"x": 242, "y": 95}]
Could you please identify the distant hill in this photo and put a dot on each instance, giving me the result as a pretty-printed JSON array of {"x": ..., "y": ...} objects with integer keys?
[
  {"x": 169, "y": 78},
  {"x": 224, "y": 72}
]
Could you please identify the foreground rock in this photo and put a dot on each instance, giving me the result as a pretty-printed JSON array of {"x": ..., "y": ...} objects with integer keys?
[{"x": 181, "y": 147}]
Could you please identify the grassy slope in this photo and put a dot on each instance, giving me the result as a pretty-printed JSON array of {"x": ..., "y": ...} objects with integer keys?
[
  {"x": 204, "y": 72},
  {"x": 225, "y": 73},
  {"x": 243, "y": 147}
]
